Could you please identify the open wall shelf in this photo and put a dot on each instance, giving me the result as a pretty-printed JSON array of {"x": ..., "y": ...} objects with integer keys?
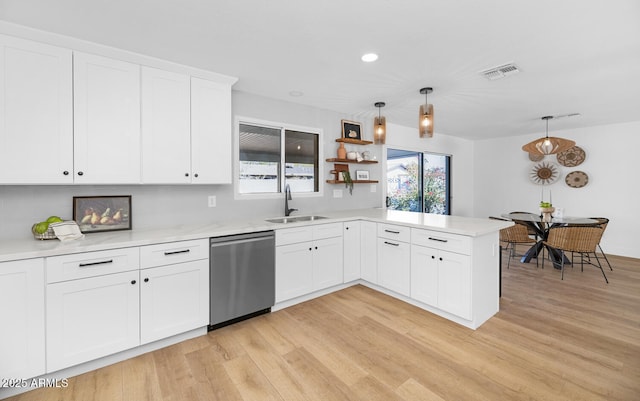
[
  {"x": 354, "y": 181},
  {"x": 354, "y": 141},
  {"x": 334, "y": 160}
]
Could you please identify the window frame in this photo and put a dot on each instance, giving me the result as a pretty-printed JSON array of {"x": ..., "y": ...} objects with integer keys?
[{"x": 283, "y": 127}]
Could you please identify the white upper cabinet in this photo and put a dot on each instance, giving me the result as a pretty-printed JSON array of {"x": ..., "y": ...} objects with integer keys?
[
  {"x": 36, "y": 126},
  {"x": 166, "y": 136},
  {"x": 106, "y": 120},
  {"x": 210, "y": 132}
]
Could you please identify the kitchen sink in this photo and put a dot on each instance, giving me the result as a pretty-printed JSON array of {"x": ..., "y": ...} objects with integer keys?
[{"x": 295, "y": 219}]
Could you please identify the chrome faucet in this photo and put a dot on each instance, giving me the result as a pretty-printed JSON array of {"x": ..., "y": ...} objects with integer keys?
[{"x": 287, "y": 198}]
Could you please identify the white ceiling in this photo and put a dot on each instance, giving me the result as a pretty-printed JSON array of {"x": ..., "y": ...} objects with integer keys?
[{"x": 574, "y": 55}]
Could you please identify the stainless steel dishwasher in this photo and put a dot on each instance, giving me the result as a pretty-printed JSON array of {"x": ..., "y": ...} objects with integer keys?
[{"x": 242, "y": 277}]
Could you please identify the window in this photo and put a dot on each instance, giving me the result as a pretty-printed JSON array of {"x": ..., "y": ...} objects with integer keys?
[
  {"x": 418, "y": 181},
  {"x": 272, "y": 156}
]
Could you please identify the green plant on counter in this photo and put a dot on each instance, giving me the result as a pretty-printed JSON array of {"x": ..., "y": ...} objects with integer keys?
[
  {"x": 348, "y": 182},
  {"x": 545, "y": 204}
]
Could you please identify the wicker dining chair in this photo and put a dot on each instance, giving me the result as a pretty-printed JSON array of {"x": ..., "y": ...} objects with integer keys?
[
  {"x": 531, "y": 231},
  {"x": 576, "y": 239},
  {"x": 602, "y": 222},
  {"x": 516, "y": 234}
]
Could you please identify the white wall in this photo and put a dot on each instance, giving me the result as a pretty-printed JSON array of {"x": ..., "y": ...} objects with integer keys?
[
  {"x": 502, "y": 181},
  {"x": 462, "y": 160},
  {"x": 172, "y": 205}
]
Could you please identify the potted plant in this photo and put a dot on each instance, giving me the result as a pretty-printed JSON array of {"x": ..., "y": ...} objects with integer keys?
[
  {"x": 348, "y": 182},
  {"x": 547, "y": 209}
]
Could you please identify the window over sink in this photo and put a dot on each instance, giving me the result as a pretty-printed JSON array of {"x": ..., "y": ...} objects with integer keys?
[{"x": 271, "y": 155}]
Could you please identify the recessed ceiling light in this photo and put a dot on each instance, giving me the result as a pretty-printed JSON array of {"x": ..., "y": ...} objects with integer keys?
[
  {"x": 369, "y": 57},
  {"x": 296, "y": 93}
]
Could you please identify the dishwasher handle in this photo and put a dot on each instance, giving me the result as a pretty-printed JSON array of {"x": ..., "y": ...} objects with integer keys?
[{"x": 243, "y": 238}]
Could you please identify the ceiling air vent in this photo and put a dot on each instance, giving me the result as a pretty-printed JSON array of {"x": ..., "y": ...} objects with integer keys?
[{"x": 500, "y": 72}]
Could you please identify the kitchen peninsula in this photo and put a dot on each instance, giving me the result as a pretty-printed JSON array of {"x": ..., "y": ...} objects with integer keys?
[{"x": 446, "y": 265}]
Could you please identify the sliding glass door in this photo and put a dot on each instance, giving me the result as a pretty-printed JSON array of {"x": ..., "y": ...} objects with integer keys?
[{"x": 418, "y": 181}]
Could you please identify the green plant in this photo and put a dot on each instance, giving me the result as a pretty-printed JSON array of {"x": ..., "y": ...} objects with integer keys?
[
  {"x": 348, "y": 182},
  {"x": 545, "y": 204}
]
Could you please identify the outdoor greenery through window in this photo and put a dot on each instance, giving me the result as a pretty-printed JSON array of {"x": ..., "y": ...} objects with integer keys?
[
  {"x": 272, "y": 157},
  {"x": 418, "y": 182}
]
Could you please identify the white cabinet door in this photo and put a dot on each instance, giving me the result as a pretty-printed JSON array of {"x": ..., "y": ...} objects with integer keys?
[
  {"x": 106, "y": 120},
  {"x": 327, "y": 263},
  {"x": 173, "y": 299},
  {"x": 294, "y": 270},
  {"x": 22, "y": 339},
  {"x": 454, "y": 283},
  {"x": 91, "y": 318},
  {"x": 394, "y": 271},
  {"x": 36, "y": 116},
  {"x": 210, "y": 132},
  {"x": 369, "y": 254},
  {"x": 424, "y": 274},
  {"x": 166, "y": 136},
  {"x": 352, "y": 250}
]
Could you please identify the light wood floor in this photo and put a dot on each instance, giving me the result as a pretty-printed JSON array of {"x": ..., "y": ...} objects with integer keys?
[{"x": 577, "y": 339}]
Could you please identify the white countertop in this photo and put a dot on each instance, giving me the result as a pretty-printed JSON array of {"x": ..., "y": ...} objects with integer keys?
[{"x": 32, "y": 248}]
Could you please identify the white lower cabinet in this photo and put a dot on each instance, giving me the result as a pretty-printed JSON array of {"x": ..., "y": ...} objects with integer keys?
[
  {"x": 92, "y": 317},
  {"x": 439, "y": 277},
  {"x": 174, "y": 297},
  {"x": 394, "y": 262},
  {"x": 22, "y": 340},
  {"x": 368, "y": 252},
  {"x": 304, "y": 267},
  {"x": 394, "y": 270},
  {"x": 100, "y": 303},
  {"x": 352, "y": 250}
]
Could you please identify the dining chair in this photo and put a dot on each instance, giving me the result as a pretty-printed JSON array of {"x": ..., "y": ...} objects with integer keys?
[
  {"x": 602, "y": 222},
  {"x": 576, "y": 239},
  {"x": 531, "y": 231},
  {"x": 516, "y": 234}
]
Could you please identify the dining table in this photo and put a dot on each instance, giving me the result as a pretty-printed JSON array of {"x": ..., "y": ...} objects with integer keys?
[{"x": 541, "y": 226}]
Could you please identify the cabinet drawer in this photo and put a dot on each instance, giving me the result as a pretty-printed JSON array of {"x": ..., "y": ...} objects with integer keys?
[
  {"x": 331, "y": 230},
  {"x": 295, "y": 235},
  {"x": 91, "y": 264},
  {"x": 287, "y": 236},
  {"x": 394, "y": 232},
  {"x": 173, "y": 252},
  {"x": 445, "y": 241}
]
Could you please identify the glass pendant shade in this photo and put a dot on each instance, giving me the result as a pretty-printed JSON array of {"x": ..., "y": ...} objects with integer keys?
[
  {"x": 548, "y": 145},
  {"x": 426, "y": 120},
  {"x": 379, "y": 126},
  {"x": 379, "y": 130}
]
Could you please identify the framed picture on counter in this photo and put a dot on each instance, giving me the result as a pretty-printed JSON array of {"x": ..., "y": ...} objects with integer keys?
[{"x": 102, "y": 213}]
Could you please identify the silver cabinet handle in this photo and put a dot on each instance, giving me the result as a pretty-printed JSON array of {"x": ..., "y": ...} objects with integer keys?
[{"x": 104, "y": 262}]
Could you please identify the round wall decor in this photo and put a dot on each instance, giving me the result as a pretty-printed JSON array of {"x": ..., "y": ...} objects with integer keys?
[
  {"x": 544, "y": 173},
  {"x": 571, "y": 157},
  {"x": 576, "y": 179}
]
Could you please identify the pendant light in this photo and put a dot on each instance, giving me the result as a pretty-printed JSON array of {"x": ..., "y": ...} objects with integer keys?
[
  {"x": 548, "y": 145},
  {"x": 425, "y": 119},
  {"x": 379, "y": 126}
]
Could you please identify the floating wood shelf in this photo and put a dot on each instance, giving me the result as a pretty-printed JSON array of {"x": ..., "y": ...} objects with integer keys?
[
  {"x": 354, "y": 141},
  {"x": 354, "y": 181},
  {"x": 352, "y": 161}
]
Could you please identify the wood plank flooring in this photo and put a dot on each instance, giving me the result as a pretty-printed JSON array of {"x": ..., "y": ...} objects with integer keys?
[{"x": 577, "y": 339}]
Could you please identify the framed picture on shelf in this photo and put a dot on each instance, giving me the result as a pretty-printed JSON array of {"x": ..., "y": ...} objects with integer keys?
[
  {"x": 102, "y": 213},
  {"x": 362, "y": 175},
  {"x": 351, "y": 130}
]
